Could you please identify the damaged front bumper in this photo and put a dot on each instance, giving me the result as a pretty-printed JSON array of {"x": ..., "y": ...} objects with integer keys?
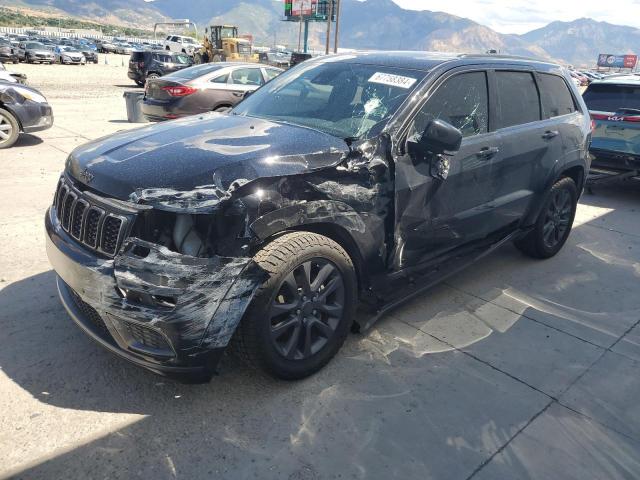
[{"x": 170, "y": 313}]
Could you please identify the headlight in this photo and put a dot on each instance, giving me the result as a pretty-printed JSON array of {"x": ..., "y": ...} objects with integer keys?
[
  {"x": 66, "y": 57},
  {"x": 29, "y": 95}
]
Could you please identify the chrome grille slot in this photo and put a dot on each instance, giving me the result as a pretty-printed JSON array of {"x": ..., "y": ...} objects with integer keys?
[
  {"x": 62, "y": 192},
  {"x": 94, "y": 217},
  {"x": 67, "y": 208},
  {"x": 89, "y": 221},
  {"x": 111, "y": 229},
  {"x": 77, "y": 218}
]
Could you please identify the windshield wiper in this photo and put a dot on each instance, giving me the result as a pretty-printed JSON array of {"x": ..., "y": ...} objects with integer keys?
[{"x": 632, "y": 111}]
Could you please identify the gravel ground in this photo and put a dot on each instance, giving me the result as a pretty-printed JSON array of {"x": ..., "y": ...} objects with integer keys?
[
  {"x": 78, "y": 81},
  {"x": 514, "y": 369}
]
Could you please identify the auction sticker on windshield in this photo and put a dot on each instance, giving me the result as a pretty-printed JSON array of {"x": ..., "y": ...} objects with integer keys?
[{"x": 392, "y": 80}]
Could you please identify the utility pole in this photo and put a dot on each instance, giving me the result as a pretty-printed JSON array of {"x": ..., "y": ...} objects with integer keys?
[
  {"x": 300, "y": 31},
  {"x": 337, "y": 33},
  {"x": 330, "y": 14}
]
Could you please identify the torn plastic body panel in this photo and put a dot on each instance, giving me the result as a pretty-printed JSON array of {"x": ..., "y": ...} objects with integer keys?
[{"x": 182, "y": 279}]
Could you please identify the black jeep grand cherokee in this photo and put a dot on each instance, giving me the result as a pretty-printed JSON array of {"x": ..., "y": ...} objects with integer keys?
[{"x": 349, "y": 182}]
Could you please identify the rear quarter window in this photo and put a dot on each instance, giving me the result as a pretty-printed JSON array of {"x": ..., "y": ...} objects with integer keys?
[
  {"x": 555, "y": 95},
  {"x": 518, "y": 99}
]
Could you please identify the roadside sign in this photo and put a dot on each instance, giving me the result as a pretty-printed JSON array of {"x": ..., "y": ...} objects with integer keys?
[
  {"x": 311, "y": 10},
  {"x": 302, "y": 7},
  {"x": 617, "y": 61}
]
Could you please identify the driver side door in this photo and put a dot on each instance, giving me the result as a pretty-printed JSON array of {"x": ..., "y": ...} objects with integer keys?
[{"x": 435, "y": 216}]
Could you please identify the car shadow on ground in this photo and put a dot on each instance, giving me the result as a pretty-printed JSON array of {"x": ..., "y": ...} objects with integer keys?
[
  {"x": 27, "y": 140},
  {"x": 391, "y": 404}
]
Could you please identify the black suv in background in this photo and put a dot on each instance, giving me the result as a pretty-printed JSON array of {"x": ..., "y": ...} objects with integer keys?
[
  {"x": 356, "y": 180},
  {"x": 148, "y": 64}
]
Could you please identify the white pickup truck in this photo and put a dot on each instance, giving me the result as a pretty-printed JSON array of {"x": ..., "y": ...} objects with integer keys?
[{"x": 181, "y": 44}]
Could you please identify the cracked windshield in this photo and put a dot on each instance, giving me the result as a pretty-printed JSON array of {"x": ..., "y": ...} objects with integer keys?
[{"x": 344, "y": 100}]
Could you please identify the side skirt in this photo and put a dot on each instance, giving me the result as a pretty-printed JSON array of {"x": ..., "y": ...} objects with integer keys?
[{"x": 417, "y": 284}]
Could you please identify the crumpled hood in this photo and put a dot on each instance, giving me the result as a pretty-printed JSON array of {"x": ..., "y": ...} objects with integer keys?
[{"x": 200, "y": 151}]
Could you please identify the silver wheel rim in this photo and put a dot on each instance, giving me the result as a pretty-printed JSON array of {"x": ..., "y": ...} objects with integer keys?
[{"x": 6, "y": 129}]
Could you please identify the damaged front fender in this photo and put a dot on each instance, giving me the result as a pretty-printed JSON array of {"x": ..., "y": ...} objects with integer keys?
[{"x": 205, "y": 294}]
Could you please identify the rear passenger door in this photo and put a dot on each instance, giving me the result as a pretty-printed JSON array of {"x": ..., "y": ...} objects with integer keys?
[
  {"x": 530, "y": 146},
  {"x": 560, "y": 110},
  {"x": 219, "y": 92}
]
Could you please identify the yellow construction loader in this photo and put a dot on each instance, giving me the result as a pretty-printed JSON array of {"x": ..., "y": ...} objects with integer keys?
[{"x": 222, "y": 44}]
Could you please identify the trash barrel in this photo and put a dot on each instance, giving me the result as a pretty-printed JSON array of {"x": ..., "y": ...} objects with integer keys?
[{"x": 134, "y": 106}]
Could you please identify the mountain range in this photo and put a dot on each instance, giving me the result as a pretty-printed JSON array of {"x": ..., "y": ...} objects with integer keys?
[{"x": 369, "y": 24}]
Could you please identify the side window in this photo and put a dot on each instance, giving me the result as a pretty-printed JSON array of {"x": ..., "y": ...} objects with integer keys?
[
  {"x": 271, "y": 73},
  {"x": 518, "y": 99},
  {"x": 220, "y": 78},
  {"x": 556, "y": 97},
  {"x": 462, "y": 101},
  {"x": 246, "y": 76}
]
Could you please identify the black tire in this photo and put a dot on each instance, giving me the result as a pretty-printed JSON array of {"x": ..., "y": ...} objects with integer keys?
[
  {"x": 9, "y": 127},
  {"x": 281, "y": 341},
  {"x": 553, "y": 226}
]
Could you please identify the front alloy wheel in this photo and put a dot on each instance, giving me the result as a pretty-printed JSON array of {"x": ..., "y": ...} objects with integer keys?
[
  {"x": 301, "y": 314},
  {"x": 307, "y": 309}
]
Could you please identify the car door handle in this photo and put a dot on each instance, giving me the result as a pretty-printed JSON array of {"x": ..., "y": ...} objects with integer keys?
[
  {"x": 237, "y": 94},
  {"x": 488, "y": 152},
  {"x": 549, "y": 134}
]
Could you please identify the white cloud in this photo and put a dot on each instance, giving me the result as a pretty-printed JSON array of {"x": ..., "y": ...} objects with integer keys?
[{"x": 520, "y": 16}]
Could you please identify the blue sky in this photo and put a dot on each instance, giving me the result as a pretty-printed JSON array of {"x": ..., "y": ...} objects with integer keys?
[{"x": 519, "y": 16}]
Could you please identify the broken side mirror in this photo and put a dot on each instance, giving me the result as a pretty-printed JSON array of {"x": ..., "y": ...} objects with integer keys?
[
  {"x": 440, "y": 138},
  {"x": 438, "y": 141}
]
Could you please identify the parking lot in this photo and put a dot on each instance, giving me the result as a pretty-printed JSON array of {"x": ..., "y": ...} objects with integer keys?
[{"x": 513, "y": 369}]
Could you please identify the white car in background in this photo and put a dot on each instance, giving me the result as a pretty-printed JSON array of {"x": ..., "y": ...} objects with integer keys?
[
  {"x": 69, "y": 56},
  {"x": 181, "y": 44}
]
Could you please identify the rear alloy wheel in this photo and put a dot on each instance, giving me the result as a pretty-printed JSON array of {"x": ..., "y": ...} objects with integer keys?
[
  {"x": 152, "y": 76},
  {"x": 554, "y": 221},
  {"x": 300, "y": 316},
  {"x": 9, "y": 129}
]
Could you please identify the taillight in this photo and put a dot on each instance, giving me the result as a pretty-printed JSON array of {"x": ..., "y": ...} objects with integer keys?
[
  {"x": 593, "y": 125},
  {"x": 179, "y": 91}
]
